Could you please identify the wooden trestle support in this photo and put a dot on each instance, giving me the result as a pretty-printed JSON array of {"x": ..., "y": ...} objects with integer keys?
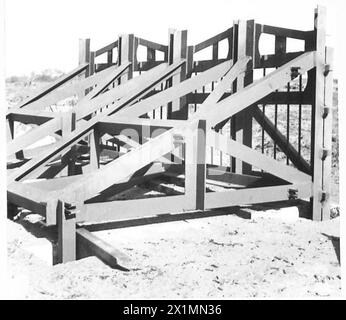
[{"x": 169, "y": 119}]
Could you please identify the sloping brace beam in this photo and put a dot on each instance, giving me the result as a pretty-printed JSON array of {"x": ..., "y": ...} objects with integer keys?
[
  {"x": 281, "y": 141},
  {"x": 259, "y": 160}
]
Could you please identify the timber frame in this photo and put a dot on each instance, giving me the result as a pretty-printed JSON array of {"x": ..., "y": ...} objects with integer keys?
[{"x": 174, "y": 121}]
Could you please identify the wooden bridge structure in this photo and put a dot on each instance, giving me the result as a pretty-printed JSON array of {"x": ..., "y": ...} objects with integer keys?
[{"x": 176, "y": 121}]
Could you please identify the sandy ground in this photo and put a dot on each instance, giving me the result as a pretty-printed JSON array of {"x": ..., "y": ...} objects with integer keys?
[{"x": 227, "y": 256}]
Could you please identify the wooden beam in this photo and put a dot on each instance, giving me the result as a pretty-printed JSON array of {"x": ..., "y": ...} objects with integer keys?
[
  {"x": 152, "y": 45},
  {"x": 33, "y": 135},
  {"x": 128, "y": 209},
  {"x": 61, "y": 80},
  {"x": 255, "y": 195},
  {"x": 207, "y": 43},
  {"x": 28, "y": 197},
  {"x": 281, "y": 141},
  {"x": 257, "y": 90},
  {"x": 106, "y": 48},
  {"x": 177, "y": 91},
  {"x": 89, "y": 244},
  {"x": 261, "y": 161},
  {"x": 222, "y": 86}
]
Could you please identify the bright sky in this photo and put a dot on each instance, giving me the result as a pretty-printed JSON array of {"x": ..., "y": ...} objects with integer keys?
[{"x": 43, "y": 34}]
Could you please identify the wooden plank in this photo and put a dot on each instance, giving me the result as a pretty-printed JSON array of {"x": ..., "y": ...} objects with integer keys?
[
  {"x": 128, "y": 209},
  {"x": 145, "y": 220},
  {"x": 257, "y": 90},
  {"x": 61, "y": 80},
  {"x": 206, "y": 43},
  {"x": 106, "y": 48},
  {"x": 261, "y": 161},
  {"x": 152, "y": 45},
  {"x": 281, "y": 141},
  {"x": 255, "y": 195},
  {"x": 31, "y": 116},
  {"x": 283, "y": 32},
  {"x": 89, "y": 244}
]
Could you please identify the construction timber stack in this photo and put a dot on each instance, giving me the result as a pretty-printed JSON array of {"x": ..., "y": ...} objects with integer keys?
[{"x": 173, "y": 121}]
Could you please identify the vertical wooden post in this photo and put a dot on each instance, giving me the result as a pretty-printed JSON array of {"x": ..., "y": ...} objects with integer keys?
[
  {"x": 326, "y": 153},
  {"x": 151, "y": 55},
  {"x": 321, "y": 122},
  {"x": 244, "y": 35},
  {"x": 84, "y": 57},
  {"x": 69, "y": 125},
  {"x": 66, "y": 224},
  {"x": 126, "y": 49},
  {"x": 109, "y": 58},
  {"x": 94, "y": 141},
  {"x": 177, "y": 50},
  {"x": 195, "y": 167}
]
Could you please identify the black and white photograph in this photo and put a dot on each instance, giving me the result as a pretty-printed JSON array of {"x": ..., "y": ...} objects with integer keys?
[{"x": 171, "y": 150}]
